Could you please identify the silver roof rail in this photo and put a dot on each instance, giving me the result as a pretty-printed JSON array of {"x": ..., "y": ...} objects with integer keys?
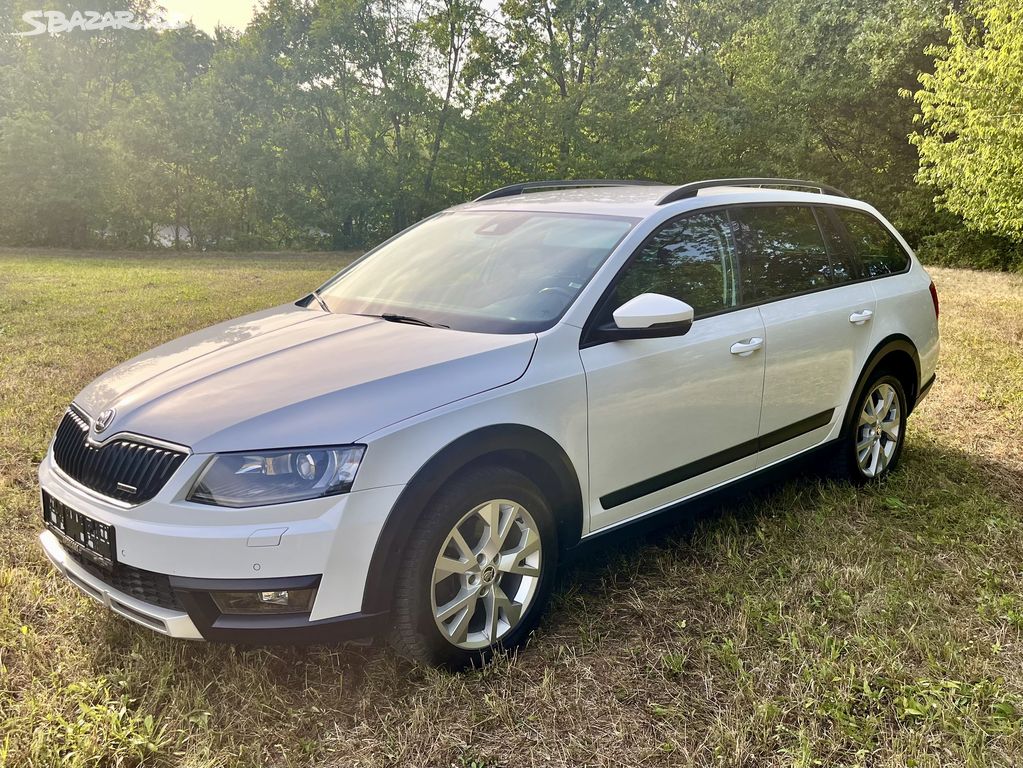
[
  {"x": 691, "y": 189},
  {"x": 518, "y": 189}
]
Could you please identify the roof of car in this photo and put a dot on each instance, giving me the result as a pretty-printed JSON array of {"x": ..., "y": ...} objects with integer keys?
[{"x": 641, "y": 201}]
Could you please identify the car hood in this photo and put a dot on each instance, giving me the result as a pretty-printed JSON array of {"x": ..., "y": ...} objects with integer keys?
[{"x": 294, "y": 376}]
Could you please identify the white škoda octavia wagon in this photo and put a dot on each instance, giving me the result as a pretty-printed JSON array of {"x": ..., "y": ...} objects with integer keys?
[{"x": 408, "y": 449}]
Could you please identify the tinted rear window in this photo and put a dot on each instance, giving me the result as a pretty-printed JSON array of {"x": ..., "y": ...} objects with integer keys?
[
  {"x": 785, "y": 252},
  {"x": 843, "y": 263},
  {"x": 879, "y": 253}
]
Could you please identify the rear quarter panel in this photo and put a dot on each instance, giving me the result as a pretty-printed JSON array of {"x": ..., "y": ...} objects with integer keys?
[{"x": 904, "y": 307}]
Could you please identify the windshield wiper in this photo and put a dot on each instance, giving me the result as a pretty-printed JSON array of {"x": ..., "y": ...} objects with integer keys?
[
  {"x": 393, "y": 318},
  {"x": 320, "y": 301}
]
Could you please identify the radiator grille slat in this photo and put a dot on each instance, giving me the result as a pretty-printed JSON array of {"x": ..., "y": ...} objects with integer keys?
[{"x": 145, "y": 468}]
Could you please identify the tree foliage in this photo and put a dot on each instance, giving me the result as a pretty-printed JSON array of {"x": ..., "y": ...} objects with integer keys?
[
  {"x": 334, "y": 123},
  {"x": 971, "y": 142}
]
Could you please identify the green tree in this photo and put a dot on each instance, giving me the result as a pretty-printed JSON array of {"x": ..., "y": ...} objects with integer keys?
[
  {"x": 971, "y": 140},
  {"x": 818, "y": 86},
  {"x": 571, "y": 102},
  {"x": 334, "y": 123}
]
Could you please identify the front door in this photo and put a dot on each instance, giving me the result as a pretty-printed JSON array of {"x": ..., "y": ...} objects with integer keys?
[{"x": 671, "y": 417}]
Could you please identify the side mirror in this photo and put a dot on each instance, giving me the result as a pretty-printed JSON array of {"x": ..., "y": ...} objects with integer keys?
[
  {"x": 649, "y": 316},
  {"x": 653, "y": 309}
]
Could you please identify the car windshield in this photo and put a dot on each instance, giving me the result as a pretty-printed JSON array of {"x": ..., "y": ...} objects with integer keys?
[{"x": 490, "y": 272}]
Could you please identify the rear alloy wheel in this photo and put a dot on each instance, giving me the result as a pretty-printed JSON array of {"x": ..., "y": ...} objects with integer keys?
[
  {"x": 478, "y": 570},
  {"x": 878, "y": 430},
  {"x": 873, "y": 444}
]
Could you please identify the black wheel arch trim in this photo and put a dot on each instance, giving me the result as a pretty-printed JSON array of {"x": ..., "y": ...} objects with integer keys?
[
  {"x": 520, "y": 444},
  {"x": 894, "y": 343},
  {"x": 925, "y": 389}
]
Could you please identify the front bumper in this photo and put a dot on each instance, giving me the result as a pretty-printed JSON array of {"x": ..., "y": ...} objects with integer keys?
[
  {"x": 163, "y": 620},
  {"x": 200, "y": 619},
  {"x": 182, "y": 551}
]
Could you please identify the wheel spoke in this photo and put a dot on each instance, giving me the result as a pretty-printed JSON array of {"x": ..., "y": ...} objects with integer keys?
[
  {"x": 459, "y": 628},
  {"x": 891, "y": 431},
  {"x": 446, "y": 566},
  {"x": 882, "y": 457},
  {"x": 512, "y": 610},
  {"x": 869, "y": 409},
  {"x": 875, "y": 452},
  {"x": 499, "y": 522},
  {"x": 511, "y": 562},
  {"x": 463, "y": 546},
  {"x": 497, "y": 603},
  {"x": 493, "y": 616},
  {"x": 491, "y": 515},
  {"x": 465, "y": 599},
  {"x": 523, "y": 569},
  {"x": 505, "y": 526},
  {"x": 864, "y": 458},
  {"x": 889, "y": 396}
]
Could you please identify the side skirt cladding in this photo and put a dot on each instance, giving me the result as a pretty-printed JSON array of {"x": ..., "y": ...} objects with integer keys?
[{"x": 720, "y": 459}]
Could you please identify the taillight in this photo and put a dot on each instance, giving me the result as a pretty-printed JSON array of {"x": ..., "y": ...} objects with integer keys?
[{"x": 934, "y": 298}]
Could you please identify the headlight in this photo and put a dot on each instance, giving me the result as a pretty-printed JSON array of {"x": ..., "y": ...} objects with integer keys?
[{"x": 273, "y": 477}]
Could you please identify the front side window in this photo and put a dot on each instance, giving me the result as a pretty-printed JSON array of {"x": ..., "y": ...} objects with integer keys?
[
  {"x": 490, "y": 272},
  {"x": 879, "y": 253},
  {"x": 785, "y": 252},
  {"x": 691, "y": 258}
]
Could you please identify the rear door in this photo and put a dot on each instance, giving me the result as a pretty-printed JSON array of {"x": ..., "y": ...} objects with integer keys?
[
  {"x": 817, "y": 321},
  {"x": 671, "y": 417}
]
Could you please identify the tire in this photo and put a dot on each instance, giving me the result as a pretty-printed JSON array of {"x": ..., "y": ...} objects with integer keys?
[
  {"x": 871, "y": 447},
  {"x": 457, "y": 575}
]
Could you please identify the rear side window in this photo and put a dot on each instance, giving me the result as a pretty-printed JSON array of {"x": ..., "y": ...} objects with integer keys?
[
  {"x": 691, "y": 258},
  {"x": 843, "y": 263},
  {"x": 879, "y": 253},
  {"x": 785, "y": 252}
]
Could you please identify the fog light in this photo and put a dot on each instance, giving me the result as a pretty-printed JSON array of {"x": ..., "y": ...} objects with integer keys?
[{"x": 267, "y": 601}]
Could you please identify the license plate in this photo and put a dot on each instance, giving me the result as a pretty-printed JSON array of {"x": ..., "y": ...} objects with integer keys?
[{"x": 90, "y": 538}]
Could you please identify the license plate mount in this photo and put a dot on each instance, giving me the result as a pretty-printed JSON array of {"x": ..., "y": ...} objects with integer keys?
[{"x": 85, "y": 536}]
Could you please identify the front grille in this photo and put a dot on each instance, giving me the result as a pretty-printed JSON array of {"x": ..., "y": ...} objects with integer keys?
[
  {"x": 122, "y": 469},
  {"x": 149, "y": 587}
]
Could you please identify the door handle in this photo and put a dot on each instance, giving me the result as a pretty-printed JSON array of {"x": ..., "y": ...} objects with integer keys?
[
  {"x": 861, "y": 317},
  {"x": 747, "y": 347}
]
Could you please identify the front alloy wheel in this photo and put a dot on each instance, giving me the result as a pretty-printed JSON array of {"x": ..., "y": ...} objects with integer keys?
[
  {"x": 486, "y": 574},
  {"x": 478, "y": 569}
]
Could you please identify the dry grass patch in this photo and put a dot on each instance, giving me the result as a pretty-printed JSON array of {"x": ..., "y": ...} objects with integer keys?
[{"x": 809, "y": 625}]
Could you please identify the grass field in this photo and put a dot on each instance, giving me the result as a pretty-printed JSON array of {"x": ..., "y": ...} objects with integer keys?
[{"x": 810, "y": 625}]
